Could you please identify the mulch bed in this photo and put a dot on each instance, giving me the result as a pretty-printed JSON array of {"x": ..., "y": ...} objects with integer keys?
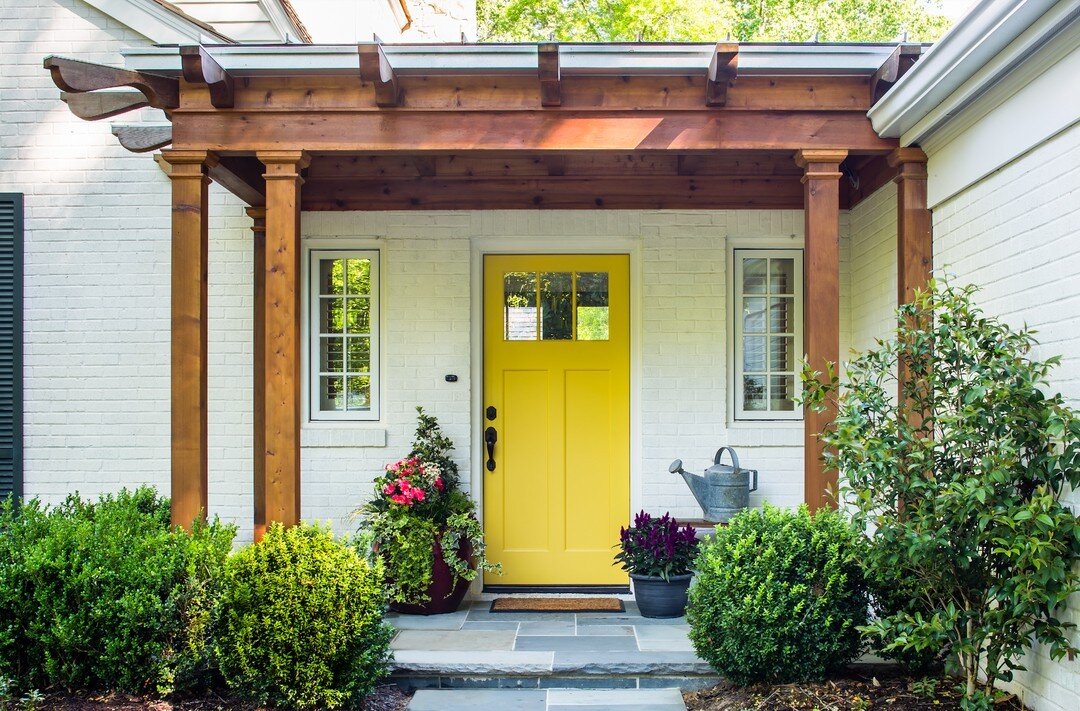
[
  {"x": 384, "y": 698},
  {"x": 856, "y": 692}
]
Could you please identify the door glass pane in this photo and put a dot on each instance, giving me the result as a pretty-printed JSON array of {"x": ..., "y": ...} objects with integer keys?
[
  {"x": 331, "y": 393},
  {"x": 332, "y": 276},
  {"x": 592, "y": 306},
  {"x": 782, "y": 353},
  {"x": 782, "y": 314},
  {"x": 331, "y": 355},
  {"x": 556, "y": 306},
  {"x": 359, "y": 354},
  {"x": 754, "y": 274},
  {"x": 358, "y": 277},
  {"x": 754, "y": 315},
  {"x": 359, "y": 392},
  {"x": 754, "y": 354},
  {"x": 331, "y": 315},
  {"x": 782, "y": 395},
  {"x": 519, "y": 300},
  {"x": 358, "y": 315},
  {"x": 782, "y": 276},
  {"x": 754, "y": 393}
]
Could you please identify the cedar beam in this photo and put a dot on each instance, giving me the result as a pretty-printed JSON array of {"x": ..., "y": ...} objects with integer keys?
[
  {"x": 95, "y": 105},
  {"x": 78, "y": 77},
  {"x": 258, "y": 353},
  {"x": 190, "y": 233},
  {"x": 896, "y": 66},
  {"x": 283, "y": 343},
  {"x": 821, "y": 312},
  {"x": 144, "y": 138},
  {"x": 243, "y": 177},
  {"x": 550, "y": 74},
  {"x": 375, "y": 69},
  {"x": 914, "y": 234},
  {"x": 199, "y": 67},
  {"x": 723, "y": 68}
]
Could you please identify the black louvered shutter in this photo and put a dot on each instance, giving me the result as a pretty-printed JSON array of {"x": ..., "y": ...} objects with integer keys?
[{"x": 11, "y": 339}]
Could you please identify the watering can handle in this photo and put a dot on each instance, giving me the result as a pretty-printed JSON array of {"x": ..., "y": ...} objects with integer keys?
[
  {"x": 729, "y": 450},
  {"x": 753, "y": 480}
]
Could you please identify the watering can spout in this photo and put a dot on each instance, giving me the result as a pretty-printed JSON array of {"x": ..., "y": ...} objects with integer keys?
[{"x": 699, "y": 487}]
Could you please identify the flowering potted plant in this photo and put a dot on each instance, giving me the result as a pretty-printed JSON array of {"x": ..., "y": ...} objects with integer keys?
[
  {"x": 658, "y": 554},
  {"x": 422, "y": 529}
]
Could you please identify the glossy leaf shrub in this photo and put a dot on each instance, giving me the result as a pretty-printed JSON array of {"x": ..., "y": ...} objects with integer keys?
[
  {"x": 959, "y": 483},
  {"x": 780, "y": 596},
  {"x": 657, "y": 546},
  {"x": 107, "y": 595},
  {"x": 299, "y": 623}
]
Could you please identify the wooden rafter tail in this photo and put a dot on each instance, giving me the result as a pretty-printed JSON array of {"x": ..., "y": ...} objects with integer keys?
[
  {"x": 896, "y": 66},
  {"x": 375, "y": 68},
  {"x": 199, "y": 67},
  {"x": 78, "y": 77},
  {"x": 549, "y": 73},
  {"x": 95, "y": 105},
  {"x": 143, "y": 139},
  {"x": 723, "y": 68}
]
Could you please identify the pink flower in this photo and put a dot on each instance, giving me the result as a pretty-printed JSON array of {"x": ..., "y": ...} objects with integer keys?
[
  {"x": 388, "y": 489},
  {"x": 438, "y": 483},
  {"x": 399, "y": 499},
  {"x": 418, "y": 494}
]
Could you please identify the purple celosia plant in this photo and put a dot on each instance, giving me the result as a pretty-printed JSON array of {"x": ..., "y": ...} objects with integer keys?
[{"x": 657, "y": 547}]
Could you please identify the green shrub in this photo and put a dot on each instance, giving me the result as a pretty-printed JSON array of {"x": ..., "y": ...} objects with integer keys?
[
  {"x": 300, "y": 622},
  {"x": 106, "y": 594},
  {"x": 779, "y": 596}
]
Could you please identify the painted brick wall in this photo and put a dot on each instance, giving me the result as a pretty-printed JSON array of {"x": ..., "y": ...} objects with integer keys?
[
  {"x": 97, "y": 277},
  {"x": 873, "y": 267},
  {"x": 1016, "y": 234}
]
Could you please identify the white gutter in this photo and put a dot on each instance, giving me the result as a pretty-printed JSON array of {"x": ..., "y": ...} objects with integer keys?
[
  {"x": 974, "y": 55},
  {"x": 580, "y": 59}
]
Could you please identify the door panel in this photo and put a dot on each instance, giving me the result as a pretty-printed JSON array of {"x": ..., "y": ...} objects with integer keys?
[{"x": 557, "y": 372}]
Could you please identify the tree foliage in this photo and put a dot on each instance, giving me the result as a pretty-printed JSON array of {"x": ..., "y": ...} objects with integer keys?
[
  {"x": 710, "y": 20},
  {"x": 959, "y": 483}
]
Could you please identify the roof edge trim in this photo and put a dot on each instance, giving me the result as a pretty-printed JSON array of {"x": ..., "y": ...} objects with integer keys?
[{"x": 158, "y": 22}]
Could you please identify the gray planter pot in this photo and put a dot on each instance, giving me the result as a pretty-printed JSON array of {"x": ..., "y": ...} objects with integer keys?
[{"x": 657, "y": 597}]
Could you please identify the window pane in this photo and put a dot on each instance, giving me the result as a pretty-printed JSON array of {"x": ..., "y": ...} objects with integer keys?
[
  {"x": 331, "y": 355},
  {"x": 754, "y": 315},
  {"x": 754, "y": 393},
  {"x": 332, "y": 276},
  {"x": 358, "y": 273},
  {"x": 592, "y": 306},
  {"x": 359, "y": 395},
  {"x": 556, "y": 306},
  {"x": 331, "y": 393},
  {"x": 331, "y": 315},
  {"x": 519, "y": 298},
  {"x": 782, "y": 353},
  {"x": 754, "y": 276},
  {"x": 754, "y": 354},
  {"x": 782, "y": 276},
  {"x": 358, "y": 315},
  {"x": 359, "y": 354},
  {"x": 782, "y": 395},
  {"x": 782, "y": 314}
]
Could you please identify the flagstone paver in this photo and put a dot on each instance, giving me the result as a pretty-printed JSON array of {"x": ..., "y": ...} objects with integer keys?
[{"x": 454, "y": 640}]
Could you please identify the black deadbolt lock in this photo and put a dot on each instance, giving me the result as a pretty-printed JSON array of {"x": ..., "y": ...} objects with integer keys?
[{"x": 490, "y": 412}]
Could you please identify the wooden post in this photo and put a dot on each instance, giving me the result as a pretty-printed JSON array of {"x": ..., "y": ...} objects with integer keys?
[
  {"x": 281, "y": 355},
  {"x": 258, "y": 354},
  {"x": 190, "y": 238},
  {"x": 821, "y": 311},
  {"x": 914, "y": 232}
]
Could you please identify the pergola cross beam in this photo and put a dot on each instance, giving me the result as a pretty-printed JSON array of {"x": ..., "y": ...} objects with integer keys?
[
  {"x": 723, "y": 68},
  {"x": 199, "y": 67},
  {"x": 550, "y": 74},
  {"x": 375, "y": 69},
  {"x": 77, "y": 77}
]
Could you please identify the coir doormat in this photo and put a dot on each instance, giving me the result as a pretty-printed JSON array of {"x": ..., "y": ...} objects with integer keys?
[{"x": 557, "y": 604}]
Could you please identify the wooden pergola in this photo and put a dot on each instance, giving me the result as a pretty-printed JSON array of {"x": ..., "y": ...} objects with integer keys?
[{"x": 380, "y": 127}]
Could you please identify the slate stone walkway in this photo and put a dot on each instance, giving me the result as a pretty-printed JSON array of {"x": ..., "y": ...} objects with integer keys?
[{"x": 538, "y": 660}]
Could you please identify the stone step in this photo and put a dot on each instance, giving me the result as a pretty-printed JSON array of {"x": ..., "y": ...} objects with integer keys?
[{"x": 548, "y": 700}]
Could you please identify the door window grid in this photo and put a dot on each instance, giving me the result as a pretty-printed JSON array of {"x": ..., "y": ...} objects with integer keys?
[
  {"x": 555, "y": 306},
  {"x": 768, "y": 333}
]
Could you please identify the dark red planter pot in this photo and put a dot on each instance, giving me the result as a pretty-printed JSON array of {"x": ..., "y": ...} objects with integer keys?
[{"x": 445, "y": 594}]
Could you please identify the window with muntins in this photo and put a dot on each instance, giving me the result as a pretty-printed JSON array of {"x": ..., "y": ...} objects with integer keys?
[
  {"x": 768, "y": 333},
  {"x": 344, "y": 335}
]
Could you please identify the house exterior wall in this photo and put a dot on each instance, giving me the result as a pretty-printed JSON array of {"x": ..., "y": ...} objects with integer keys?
[{"x": 873, "y": 268}]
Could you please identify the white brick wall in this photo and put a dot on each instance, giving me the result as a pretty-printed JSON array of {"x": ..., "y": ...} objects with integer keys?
[
  {"x": 1016, "y": 234},
  {"x": 873, "y": 268}
]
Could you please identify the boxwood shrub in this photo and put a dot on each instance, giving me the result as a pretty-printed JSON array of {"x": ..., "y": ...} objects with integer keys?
[
  {"x": 779, "y": 597},
  {"x": 300, "y": 622},
  {"x": 106, "y": 595}
]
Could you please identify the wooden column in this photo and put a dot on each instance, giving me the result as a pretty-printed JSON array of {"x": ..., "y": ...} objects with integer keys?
[
  {"x": 190, "y": 236},
  {"x": 821, "y": 309},
  {"x": 258, "y": 355},
  {"x": 283, "y": 342},
  {"x": 914, "y": 236}
]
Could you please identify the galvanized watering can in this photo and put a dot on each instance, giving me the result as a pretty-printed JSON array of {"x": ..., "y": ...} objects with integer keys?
[{"x": 724, "y": 490}]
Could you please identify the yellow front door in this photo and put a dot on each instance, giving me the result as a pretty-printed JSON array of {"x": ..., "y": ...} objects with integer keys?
[{"x": 557, "y": 404}]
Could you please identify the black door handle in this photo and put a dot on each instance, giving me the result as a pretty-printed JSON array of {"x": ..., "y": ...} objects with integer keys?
[{"x": 490, "y": 437}]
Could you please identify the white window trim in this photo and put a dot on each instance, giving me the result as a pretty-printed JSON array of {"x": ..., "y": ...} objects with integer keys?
[
  {"x": 314, "y": 255},
  {"x": 738, "y": 255}
]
